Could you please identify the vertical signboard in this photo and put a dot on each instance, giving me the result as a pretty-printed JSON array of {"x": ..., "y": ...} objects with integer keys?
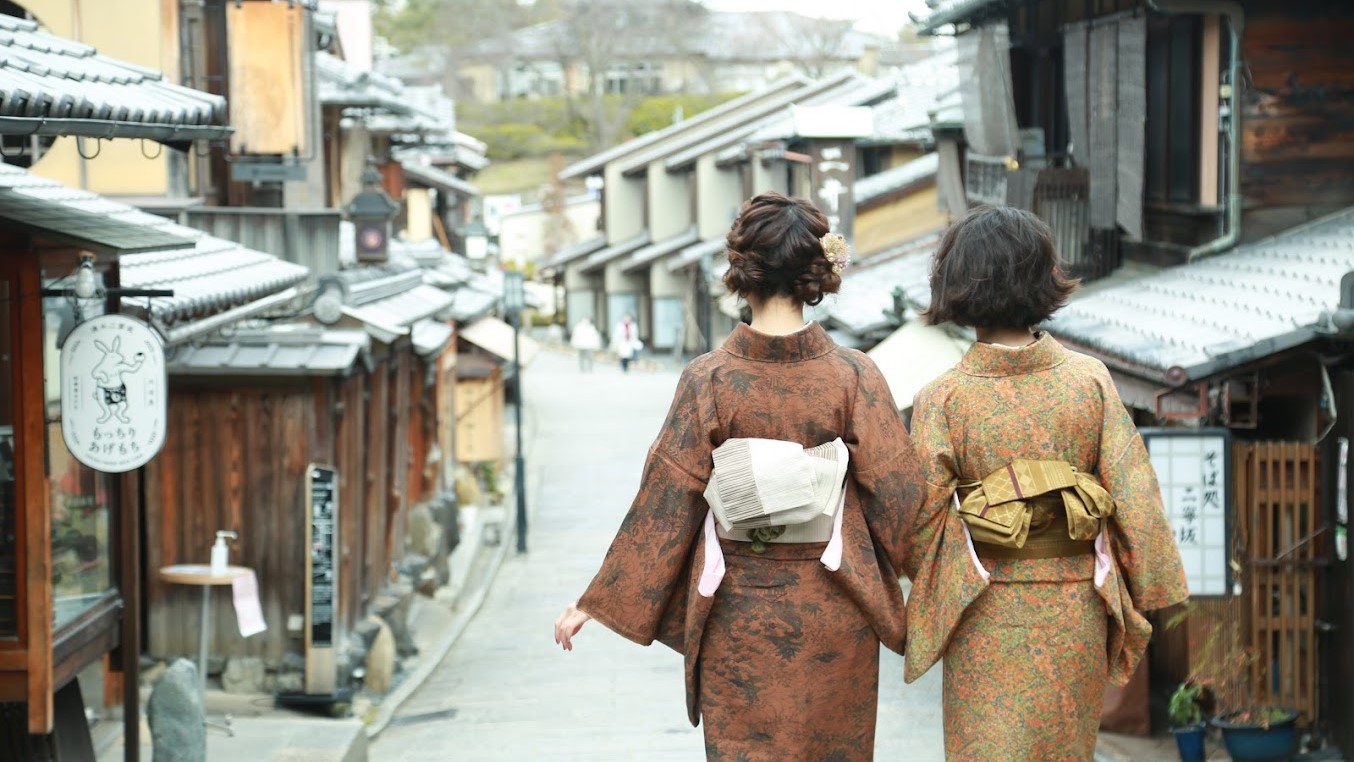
[
  {"x": 833, "y": 175},
  {"x": 1194, "y": 469},
  {"x": 321, "y": 579}
]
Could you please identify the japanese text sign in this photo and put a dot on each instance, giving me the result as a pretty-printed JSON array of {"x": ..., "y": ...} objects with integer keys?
[{"x": 1193, "y": 467}]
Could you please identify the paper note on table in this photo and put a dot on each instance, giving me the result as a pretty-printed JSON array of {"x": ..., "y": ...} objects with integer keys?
[{"x": 248, "y": 612}]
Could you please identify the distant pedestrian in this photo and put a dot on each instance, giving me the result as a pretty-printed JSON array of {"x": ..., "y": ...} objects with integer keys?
[
  {"x": 586, "y": 340},
  {"x": 625, "y": 341},
  {"x": 780, "y": 588},
  {"x": 1043, "y": 537}
]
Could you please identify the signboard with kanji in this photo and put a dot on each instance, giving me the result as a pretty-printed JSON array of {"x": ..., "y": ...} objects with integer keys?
[{"x": 1194, "y": 469}]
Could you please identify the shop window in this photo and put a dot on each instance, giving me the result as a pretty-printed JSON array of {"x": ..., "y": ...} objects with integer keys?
[
  {"x": 1173, "y": 92},
  {"x": 80, "y": 499}
]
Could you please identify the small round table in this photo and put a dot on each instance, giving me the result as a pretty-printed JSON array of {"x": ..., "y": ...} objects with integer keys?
[{"x": 201, "y": 575}]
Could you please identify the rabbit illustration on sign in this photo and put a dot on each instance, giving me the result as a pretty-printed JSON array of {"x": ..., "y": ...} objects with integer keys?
[{"x": 110, "y": 376}]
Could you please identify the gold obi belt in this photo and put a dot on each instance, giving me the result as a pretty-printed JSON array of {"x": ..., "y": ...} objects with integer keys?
[{"x": 1015, "y": 511}]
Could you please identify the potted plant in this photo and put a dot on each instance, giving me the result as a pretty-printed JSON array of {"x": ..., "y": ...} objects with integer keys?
[
  {"x": 1187, "y": 721},
  {"x": 1261, "y": 733},
  {"x": 1224, "y": 672}
]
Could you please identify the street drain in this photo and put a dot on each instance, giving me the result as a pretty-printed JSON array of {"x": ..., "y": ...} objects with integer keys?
[{"x": 415, "y": 719}]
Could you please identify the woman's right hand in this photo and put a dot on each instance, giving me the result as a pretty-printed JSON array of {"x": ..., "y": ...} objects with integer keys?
[{"x": 568, "y": 624}]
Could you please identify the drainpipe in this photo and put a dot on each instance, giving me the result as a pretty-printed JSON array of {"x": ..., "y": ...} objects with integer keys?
[{"x": 1236, "y": 23}]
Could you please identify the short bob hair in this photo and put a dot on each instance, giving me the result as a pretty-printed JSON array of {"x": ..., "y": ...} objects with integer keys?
[
  {"x": 996, "y": 268},
  {"x": 775, "y": 248}
]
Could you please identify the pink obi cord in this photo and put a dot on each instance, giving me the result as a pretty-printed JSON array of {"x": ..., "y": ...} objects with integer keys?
[{"x": 712, "y": 572}]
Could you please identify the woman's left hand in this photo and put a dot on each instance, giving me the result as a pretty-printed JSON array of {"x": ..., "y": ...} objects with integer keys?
[{"x": 568, "y": 625}]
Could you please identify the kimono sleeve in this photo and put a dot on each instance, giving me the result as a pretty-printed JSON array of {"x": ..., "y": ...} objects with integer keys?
[
  {"x": 884, "y": 465},
  {"x": 1143, "y": 542},
  {"x": 644, "y": 573},
  {"x": 931, "y": 432}
]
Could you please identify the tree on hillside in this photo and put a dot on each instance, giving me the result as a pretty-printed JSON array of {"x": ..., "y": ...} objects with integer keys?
[
  {"x": 612, "y": 44},
  {"x": 813, "y": 45},
  {"x": 454, "y": 24}
]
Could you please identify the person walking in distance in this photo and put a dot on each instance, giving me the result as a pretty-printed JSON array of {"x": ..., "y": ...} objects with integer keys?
[
  {"x": 1043, "y": 537},
  {"x": 764, "y": 539},
  {"x": 625, "y": 341},
  {"x": 585, "y": 340}
]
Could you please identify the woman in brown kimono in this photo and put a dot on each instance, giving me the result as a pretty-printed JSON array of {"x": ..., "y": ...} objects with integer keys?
[
  {"x": 1029, "y": 577},
  {"x": 782, "y": 653}
]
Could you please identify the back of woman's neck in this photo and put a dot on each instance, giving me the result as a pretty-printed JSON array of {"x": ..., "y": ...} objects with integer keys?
[
  {"x": 1010, "y": 337},
  {"x": 776, "y": 316}
]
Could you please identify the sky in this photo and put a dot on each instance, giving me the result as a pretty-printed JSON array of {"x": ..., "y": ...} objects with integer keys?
[{"x": 883, "y": 17}]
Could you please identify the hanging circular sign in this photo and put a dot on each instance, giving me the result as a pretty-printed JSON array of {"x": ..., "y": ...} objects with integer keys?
[{"x": 113, "y": 393}]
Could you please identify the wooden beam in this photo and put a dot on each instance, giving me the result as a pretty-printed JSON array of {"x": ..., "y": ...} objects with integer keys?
[{"x": 30, "y": 421}]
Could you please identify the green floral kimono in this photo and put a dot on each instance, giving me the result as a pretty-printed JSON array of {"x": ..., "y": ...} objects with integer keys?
[{"x": 1028, "y": 644}]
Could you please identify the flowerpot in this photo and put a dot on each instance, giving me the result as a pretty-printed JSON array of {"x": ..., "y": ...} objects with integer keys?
[
  {"x": 1251, "y": 742},
  {"x": 1190, "y": 742}
]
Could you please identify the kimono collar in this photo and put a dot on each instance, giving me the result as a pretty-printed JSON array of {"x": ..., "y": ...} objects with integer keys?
[
  {"x": 994, "y": 360},
  {"x": 805, "y": 344}
]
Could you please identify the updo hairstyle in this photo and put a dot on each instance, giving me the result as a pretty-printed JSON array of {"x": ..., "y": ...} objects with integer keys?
[{"x": 775, "y": 249}]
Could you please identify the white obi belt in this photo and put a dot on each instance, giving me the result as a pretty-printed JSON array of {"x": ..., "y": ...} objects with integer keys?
[{"x": 770, "y": 490}]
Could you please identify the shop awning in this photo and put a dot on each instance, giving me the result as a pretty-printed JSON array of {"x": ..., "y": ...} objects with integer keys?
[
  {"x": 54, "y": 86},
  {"x": 599, "y": 259},
  {"x": 913, "y": 356},
  {"x": 653, "y": 252},
  {"x": 496, "y": 337}
]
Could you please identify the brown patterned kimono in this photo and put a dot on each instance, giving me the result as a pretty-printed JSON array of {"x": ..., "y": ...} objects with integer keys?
[
  {"x": 782, "y": 663},
  {"x": 1027, "y": 651}
]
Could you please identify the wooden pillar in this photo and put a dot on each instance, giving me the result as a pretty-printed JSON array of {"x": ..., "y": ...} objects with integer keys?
[{"x": 30, "y": 421}]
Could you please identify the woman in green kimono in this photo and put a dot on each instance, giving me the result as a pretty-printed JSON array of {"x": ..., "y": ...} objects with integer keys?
[
  {"x": 780, "y": 626},
  {"x": 1043, "y": 537}
]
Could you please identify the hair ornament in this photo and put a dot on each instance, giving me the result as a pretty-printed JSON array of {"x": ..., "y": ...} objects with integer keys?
[{"x": 836, "y": 251}]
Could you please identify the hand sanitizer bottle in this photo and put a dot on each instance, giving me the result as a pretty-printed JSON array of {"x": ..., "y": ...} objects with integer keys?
[{"x": 221, "y": 552}]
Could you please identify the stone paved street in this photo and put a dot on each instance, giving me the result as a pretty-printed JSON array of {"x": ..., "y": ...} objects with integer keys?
[{"x": 515, "y": 694}]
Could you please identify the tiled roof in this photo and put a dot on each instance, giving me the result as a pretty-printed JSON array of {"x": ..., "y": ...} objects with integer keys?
[
  {"x": 284, "y": 350},
  {"x": 723, "y": 113},
  {"x": 208, "y": 276},
  {"x": 876, "y": 185},
  {"x": 54, "y": 86},
  {"x": 399, "y": 312},
  {"x": 952, "y": 12},
  {"x": 856, "y": 91},
  {"x": 866, "y": 295},
  {"x": 577, "y": 251},
  {"x": 707, "y": 138},
  {"x": 342, "y": 84},
  {"x": 655, "y": 251},
  {"x": 1217, "y": 313},
  {"x": 694, "y": 254},
  {"x": 930, "y": 86},
  {"x": 434, "y": 176},
  {"x": 599, "y": 259}
]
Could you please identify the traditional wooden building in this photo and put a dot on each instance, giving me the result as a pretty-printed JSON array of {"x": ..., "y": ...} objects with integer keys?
[{"x": 70, "y": 534}]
